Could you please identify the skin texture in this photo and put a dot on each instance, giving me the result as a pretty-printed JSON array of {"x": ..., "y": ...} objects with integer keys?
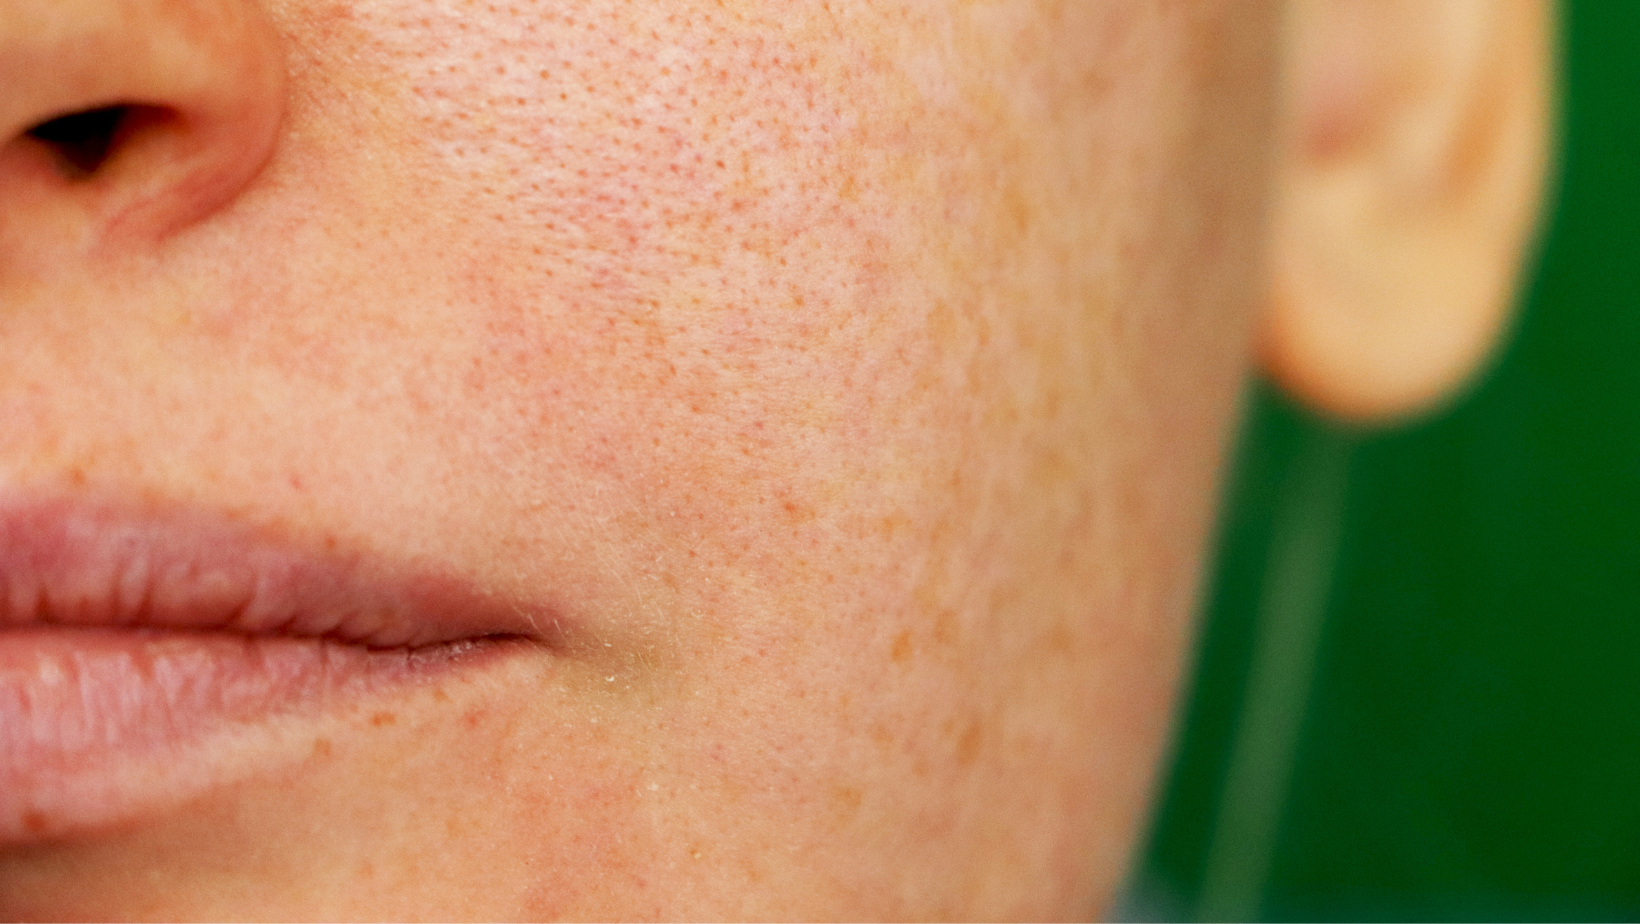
[{"x": 851, "y": 379}]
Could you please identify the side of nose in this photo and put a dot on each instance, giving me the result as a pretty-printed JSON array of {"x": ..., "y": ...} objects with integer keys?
[{"x": 124, "y": 121}]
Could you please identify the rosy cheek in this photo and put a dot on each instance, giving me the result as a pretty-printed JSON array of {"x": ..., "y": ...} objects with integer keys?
[{"x": 672, "y": 227}]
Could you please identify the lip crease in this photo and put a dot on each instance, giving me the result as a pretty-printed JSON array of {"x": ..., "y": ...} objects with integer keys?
[{"x": 142, "y": 651}]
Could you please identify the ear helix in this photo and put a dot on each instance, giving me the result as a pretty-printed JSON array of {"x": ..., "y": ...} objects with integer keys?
[{"x": 1415, "y": 157}]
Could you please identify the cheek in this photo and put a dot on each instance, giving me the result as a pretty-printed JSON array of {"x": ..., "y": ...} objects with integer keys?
[
  {"x": 670, "y": 224},
  {"x": 626, "y": 173}
]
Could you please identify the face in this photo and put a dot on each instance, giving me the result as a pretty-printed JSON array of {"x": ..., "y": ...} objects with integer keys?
[{"x": 615, "y": 460}]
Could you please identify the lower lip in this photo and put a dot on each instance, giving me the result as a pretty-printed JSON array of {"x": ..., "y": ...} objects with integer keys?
[{"x": 99, "y": 726}]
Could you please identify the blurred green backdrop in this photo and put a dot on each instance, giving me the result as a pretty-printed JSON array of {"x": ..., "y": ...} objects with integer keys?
[{"x": 1416, "y": 690}]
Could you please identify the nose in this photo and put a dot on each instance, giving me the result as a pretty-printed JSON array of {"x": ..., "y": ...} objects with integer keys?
[{"x": 124, "y": 121}]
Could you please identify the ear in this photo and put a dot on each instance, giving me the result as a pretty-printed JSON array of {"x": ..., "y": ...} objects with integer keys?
[{"x": 1414, "y": 147}]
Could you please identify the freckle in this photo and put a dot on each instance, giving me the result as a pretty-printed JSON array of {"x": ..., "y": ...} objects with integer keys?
[
  {"x": 968, "y": 744},
  {"x": 34, "y": 822},
  {"x": 848, "y": 797},
  {"x": 321, "y": 747},
  {"x": 901, "y": 652},
  {"x": 383, "y": 718}
]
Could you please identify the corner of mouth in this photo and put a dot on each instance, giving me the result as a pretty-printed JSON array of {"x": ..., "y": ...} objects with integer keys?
[{"x": 133, "y": 637}]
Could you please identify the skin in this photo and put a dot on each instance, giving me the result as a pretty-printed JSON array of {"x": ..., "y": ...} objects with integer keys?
[{"x": 852, "y": 378}]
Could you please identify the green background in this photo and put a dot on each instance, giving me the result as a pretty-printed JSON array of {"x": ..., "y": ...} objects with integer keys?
[{"x": 1416, "y": 691}]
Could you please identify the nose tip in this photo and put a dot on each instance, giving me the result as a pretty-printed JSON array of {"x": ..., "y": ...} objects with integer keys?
[{"x": 123, "y": 121}]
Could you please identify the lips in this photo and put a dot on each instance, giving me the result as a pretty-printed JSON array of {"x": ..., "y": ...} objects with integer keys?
[{"x": 147, "y": 656}]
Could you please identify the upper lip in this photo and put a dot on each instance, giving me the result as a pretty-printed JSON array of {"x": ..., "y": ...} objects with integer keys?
[{"x": 89, "y": 564}]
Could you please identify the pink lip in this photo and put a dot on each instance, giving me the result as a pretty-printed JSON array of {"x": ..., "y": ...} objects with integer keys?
[{"x": 132, "y": 642}]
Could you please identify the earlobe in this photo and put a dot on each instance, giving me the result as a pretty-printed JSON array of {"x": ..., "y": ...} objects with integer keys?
[{"x": 1414, "y": 148}]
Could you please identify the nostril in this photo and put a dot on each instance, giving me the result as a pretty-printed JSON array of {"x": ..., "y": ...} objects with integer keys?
[
  {"x": 84, "y": 141},
  {"x": 126, "y": 122},
  {"x": 81, "y": 140}
]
